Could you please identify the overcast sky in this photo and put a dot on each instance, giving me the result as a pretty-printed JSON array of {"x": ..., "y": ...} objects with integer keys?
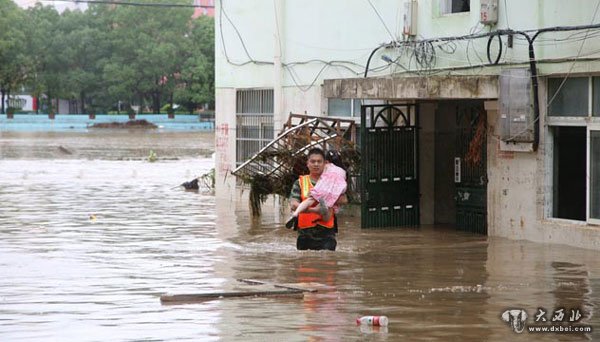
[{"x": 60, "y": 6}]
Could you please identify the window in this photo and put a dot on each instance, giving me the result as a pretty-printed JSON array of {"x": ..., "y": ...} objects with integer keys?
[
  {"x": 343, "y": 107},
  {"x": 455, "y": 6},
  {"x": 16, "y": 102},
  {"x": 569, "y": 173},
  {"x": 573, "y": 108},
  {"x": 568, "y": 97},
  {"x": 596, "y": 96},
  {"x": 595, "y": 174},
  {"x": 254, "y": 122}
]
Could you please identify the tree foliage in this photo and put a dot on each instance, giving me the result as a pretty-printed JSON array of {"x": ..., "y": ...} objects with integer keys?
[
  {"x": 108, "y": 54},
  {"x": 13, "y": 58}
]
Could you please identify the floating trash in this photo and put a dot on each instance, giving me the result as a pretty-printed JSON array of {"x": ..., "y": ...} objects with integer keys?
[{"x": 373, "y": 320}]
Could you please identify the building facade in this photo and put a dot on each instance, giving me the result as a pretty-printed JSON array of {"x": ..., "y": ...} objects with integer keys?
[
  {"x": 205, "y": 7},
  {"x": 487, "y": 109}
]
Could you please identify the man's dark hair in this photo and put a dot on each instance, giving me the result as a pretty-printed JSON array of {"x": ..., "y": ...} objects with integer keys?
[{"x": 316, "y": 150}]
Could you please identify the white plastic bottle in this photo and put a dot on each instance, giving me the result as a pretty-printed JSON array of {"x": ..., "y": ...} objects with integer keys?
[{"x": 373, "y": 320}]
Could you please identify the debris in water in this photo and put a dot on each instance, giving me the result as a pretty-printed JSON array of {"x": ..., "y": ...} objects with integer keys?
[
  {"x": 152, "y": 157},
  {"x": 191, "y": 185},
  {"x": 129, "y": 124},
  {"x": 64, "y": 150},
  {"x": 276, "y": 166},
  {"x": 206, "y": 181},
  {"x": 373, "y": 320}
]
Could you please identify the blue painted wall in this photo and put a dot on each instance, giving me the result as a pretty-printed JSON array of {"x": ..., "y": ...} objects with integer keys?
[{"x": 81, "y": 123}]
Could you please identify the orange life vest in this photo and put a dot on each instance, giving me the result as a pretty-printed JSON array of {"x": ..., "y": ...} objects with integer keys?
[{"x": 310, "y": 220}]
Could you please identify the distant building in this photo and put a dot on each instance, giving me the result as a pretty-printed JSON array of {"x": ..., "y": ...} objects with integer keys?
[
  {"x": 208, "y": 8},
  {"x": 60, "y": 6},
  {"x": 21, "y": 103}
]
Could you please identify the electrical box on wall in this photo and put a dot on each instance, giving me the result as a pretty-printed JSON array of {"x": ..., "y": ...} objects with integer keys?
[
  {"x": 516, "y": 117},
  {"x": 488, "y": 14},
  {"x": 410, "y": 18}
]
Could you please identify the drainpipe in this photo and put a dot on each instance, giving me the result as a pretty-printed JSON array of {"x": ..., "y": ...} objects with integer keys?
[
  {"x": 536, "y": 101},
  {"x": 278, "y": 116},
  {"x": 534, "y": 85},
  {"x": 371, "y": 56}
]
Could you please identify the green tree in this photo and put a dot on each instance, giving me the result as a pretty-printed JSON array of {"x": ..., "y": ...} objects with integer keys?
[
  {"x": 84, "y": 51},
  {"x": 107, "y": 54},
  {"x": 44, "y": 77},
  {"x": 13, "y": 57},
  {"x": 196, "y": 82},
  {"x": 145, "y": 59}
]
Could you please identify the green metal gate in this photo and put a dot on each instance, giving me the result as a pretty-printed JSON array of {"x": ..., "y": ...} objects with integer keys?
[
  {"x": 470, "y": 175},
  {"x": 389, "y": 152}
]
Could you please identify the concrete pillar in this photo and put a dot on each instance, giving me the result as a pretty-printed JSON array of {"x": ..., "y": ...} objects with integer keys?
[
  {"x": 225, "y": 143},
  {"x": 427, "y": 162},
  {"x": 279, "y": 116}
]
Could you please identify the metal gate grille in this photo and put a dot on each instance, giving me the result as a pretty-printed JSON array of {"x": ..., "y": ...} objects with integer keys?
[
  {"x": 389, "y": 145},
  {"x": 471, "y": 187},
  {"x": 254, "y": 122}
]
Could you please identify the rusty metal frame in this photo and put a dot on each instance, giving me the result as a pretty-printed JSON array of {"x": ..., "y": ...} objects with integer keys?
[{"x": 299, "y": 134}]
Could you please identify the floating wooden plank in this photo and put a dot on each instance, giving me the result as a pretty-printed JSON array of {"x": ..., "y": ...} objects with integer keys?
[
  {"x": 202, "y": 297},
  {"x": 285, "y": 286}
]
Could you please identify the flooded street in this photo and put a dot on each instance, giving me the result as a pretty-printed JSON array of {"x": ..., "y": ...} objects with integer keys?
[{"x": 92, "y": 234}]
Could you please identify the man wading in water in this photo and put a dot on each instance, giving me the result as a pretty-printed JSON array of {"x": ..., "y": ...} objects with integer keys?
[{"x": 314, "y": 232}]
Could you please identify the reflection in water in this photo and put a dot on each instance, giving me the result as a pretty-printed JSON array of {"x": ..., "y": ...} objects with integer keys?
[
  {"x": 90, "y": 240},
  {"x": 573, "y": 293},
  {"x": 368, "y": 329}
]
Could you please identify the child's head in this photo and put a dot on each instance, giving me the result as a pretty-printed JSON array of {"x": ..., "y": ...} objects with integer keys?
[{"x": 334, "y": 157}]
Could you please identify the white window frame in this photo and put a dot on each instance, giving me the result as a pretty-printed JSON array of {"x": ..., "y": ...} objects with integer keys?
[
  {"x": 592, "y": 127},
  {"x": 446, "y": 8},
  {"x": 353, "y": 108},
  {"x": 591, "y": 123}
]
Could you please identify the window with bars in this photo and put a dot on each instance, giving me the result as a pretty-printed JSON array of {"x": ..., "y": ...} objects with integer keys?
[{"x": 254, "y": 122}]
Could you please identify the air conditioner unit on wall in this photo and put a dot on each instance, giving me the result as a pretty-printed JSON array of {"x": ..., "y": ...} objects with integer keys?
[
  {"x": 488, "y": 14},
  {"x": 410, "y": 18}
]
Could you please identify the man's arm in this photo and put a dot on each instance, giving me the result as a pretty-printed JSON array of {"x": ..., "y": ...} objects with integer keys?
[
  {"x": 295, "y": 196},
  {"x": 294, "y": 203}
]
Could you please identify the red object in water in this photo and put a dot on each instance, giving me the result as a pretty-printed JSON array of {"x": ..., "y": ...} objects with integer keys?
[
  {"x": 373, "y": 320},
  {"x": 35, "y": 104}
]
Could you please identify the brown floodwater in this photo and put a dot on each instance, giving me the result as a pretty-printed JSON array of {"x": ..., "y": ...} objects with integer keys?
[{"x": 92, "y": 234}]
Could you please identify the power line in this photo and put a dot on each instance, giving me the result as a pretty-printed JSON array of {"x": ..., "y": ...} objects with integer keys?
[
  {"x": 578, "y": 54},
  {"x": 382, "y": 21},
  {"x": 489, "y": 35},
  {"x": 426, "y": 57},
  {"x": 128, "y": 3},
  {"x": 288, "y": 66},
  {"x": 236, "y": 31},
  {"x": 533, "y": 62},
  {"x": 506, "y": 14},
  {"x": 250, "y": 61}
]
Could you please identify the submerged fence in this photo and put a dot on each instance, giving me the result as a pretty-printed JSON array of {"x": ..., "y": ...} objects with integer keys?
[{"x": 82, "y": 122}]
